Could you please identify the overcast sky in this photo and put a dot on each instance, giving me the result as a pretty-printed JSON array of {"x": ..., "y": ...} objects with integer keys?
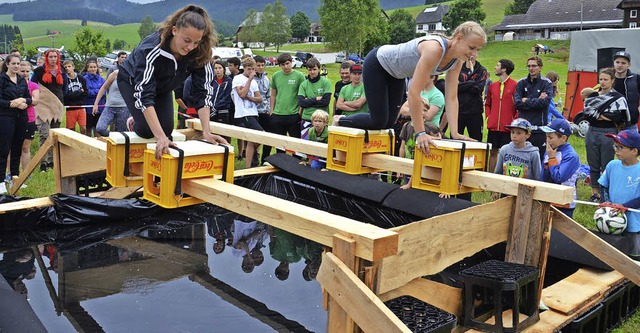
[{"x": 138, "y": 1}]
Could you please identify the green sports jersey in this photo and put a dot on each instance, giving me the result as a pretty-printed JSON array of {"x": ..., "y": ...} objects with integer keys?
[
  {"x": 351, "y": 93},
  {"x": 286, "y": 87},
  {"x": 310, "y": 89}
]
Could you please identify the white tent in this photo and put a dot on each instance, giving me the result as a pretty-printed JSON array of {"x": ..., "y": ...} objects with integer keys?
[{"x": 585, "y": 44}]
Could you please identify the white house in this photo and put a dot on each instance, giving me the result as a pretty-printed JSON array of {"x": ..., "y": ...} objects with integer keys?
[{"x": 430, "y": 20}]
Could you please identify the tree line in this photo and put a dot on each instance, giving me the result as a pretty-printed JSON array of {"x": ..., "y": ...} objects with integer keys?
[{"x": 10, "y": 38}]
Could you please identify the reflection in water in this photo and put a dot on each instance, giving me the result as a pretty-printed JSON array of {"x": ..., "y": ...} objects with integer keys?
[{"x": 164, "y": 277}]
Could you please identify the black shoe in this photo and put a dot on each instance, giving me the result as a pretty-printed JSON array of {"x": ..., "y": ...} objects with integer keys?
[
  {"x": 43, "y": 167},
  {"x": 50, "y": 165},
  {"x": 595, "y": 198}
]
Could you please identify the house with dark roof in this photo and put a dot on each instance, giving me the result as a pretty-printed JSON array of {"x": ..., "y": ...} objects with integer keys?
[
  {"x": 555, "y": 19},
  {"x": 631, "y": 19},
  {"x": 430, "y": 20}
]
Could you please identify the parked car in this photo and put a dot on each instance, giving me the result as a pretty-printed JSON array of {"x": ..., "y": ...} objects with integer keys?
[
  {"x": 356, "y": 58},
  {"x": 297, "y": 63},
  {"x": 304, "y": 56},
  {"x": 340, "y": 57},
  {"x": 110, "y": 59},
  {"x": 271, "y": 61}
]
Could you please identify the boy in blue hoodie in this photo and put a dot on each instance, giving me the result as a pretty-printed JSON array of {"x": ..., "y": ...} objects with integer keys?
[
  {"x": 518, "y": 158},
  {"x": 561, "y": 163}
]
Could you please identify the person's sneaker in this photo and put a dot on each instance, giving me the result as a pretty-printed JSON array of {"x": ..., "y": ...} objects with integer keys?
[
  {"x": 595, "y": 198},
  {"x": 8, "y": 177},
  {"x": 43, "y": 167},
  {"x": 130, "y": 123},
  {"x": 3, "y": 188}
]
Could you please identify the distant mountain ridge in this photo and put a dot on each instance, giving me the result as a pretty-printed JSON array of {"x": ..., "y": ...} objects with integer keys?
[{"x": 122, "y": 11}]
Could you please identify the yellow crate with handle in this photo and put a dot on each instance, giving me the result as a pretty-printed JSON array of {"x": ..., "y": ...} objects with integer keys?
[{"x": 346, "y": 146}]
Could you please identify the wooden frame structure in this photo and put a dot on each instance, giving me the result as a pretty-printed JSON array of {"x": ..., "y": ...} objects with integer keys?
[{"x": 368, "y": 265}]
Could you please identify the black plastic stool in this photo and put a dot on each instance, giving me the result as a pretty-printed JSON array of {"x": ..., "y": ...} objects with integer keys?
[
  {"x": 421, "y": 317},
  {"x": 498, "y": 286},
  {"x": 587, "y": 323},
  {"x": 612, "y": 312}
]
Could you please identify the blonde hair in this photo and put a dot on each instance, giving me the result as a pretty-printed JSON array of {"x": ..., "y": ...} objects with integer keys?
[
  {"x": 26, "y": 63},
  {"x": 468, "y": 28},
  {"x": 248, "y": 62},
  {"x": 586, "y": 92},
  {"x": 426, "y": 103},
  {"x": 320, "y": 114},
  {"x": 195, "y": 17}
]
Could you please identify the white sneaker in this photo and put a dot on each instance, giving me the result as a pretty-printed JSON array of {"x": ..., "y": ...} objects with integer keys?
[{"x": 3, "y": 188}]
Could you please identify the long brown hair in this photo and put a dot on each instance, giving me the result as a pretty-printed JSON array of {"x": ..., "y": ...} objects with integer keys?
[
  {"x": 5, "y": 64},
  {"x": 47, "y": 77},
  {"x": 195, "y": 17}
]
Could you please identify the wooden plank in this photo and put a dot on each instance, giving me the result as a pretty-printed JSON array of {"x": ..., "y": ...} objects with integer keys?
[
  {"x": 553, "y": 321},
  {"x": 274, "y": 140},
  {"x": 57, "y": 174},
  {"x": 544, "y": 251},
  {"x": 33, "y": 164},
  {"x": 437, "y": 294},
  {"x": 90, "y": 146},
  {"x": 519, "y": 230},
  {"x": 25, "y": 204},
  {"x": 535, "y": 245},
  {"x": 255, "y": 171},
  {"x": 367, "y": 310},
  {"x": 596, "y": 246},
  {"x": 574, "y": 292},
  {"x": 477, "y": 179},
  {"x": 74, "y": 162},
  {"x": 119, "y": 192},
  {"x": 427, "y": 247},
  {"x": 338, "y": 321},
  {"x": 372, "y": 243}
]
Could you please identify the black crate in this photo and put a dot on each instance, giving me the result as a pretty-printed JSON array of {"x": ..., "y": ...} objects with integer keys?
[
  {"x": 421, "y": 317},
  {"x": 587, "y": 323},
  {"x": 495, "y": 287},
  {"x": 612, "y": 313},
  {"x": 631, "y": 299},
  {"x": 92, "y": 182}
]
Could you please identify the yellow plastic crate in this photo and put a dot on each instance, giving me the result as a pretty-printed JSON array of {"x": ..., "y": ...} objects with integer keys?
[
  {"x": 200, "y": 160},
  {"x": 441, "y": 170},
  {"x": 346, "y": 146},
  {"x": 117, "y": 164}
]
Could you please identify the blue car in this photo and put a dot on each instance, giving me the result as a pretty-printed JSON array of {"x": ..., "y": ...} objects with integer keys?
[{"x": 356, "y": 58}]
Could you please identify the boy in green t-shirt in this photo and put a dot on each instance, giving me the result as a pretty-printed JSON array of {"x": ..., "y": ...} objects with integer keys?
[
  {"x": 352, "y": 99},
  {"x": 284, "y": 115},
  {"x": 314, "y": 94}
]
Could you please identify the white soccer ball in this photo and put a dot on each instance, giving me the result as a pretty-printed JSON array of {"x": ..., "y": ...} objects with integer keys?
[{"x": 609, "y": 223}]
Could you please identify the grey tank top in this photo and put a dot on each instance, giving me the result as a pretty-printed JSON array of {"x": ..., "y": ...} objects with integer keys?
[
  {"x": 114, "y": 98},
  {"x": 401, "y": 60}
]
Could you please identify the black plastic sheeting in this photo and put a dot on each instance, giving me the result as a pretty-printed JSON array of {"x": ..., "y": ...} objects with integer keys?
[{"x": 423, "y": 204}]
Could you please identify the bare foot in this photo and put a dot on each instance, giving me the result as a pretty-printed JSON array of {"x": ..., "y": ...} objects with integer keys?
[{"x": 405, "y": 186}]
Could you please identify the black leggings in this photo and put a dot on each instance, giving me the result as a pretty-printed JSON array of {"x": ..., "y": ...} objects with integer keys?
[
  {"x": 12, "y": 131},
  {"x": 384, "y": 96},
  {"x": 163, "y": 106}
]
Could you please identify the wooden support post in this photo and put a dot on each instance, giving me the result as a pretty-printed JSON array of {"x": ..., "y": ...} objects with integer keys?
[
  {"x": 344, "y": 249},
  {"x": 598, "y": 247},
  {"x": 535, "y": 243},
  {"x": 519, "y": 230},
  {"x": 33, "y": 164},
  {"x": 366, "y": 309},
  {"x": 544, "y": 251}
]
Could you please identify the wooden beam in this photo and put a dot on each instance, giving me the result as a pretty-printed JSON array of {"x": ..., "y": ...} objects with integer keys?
[
  {"x": 372, "y": 243},
  {"x": 119, "y": 192},
  {"x": 519, "y": 230},
  {"x": 88, "y": 145},
  {"x": 74, "y": 162},
  {"x": 33, "y": 164},
  {"x": 25, "y": 204},
  {"x": 544, "y": 250},
  {"x": 270, "y": 139},
  {"x": 255, "y": 171},
  {"x": 338, "y": 321},
  {"x": 437, "y": 294},
  {"x": 169, "y": 254},
  {"x": 429, "y": 246},
  {"x": 596, "y": 246},
  {"x": 367, "y": 310},
  {"x": 536, "y": 250}
]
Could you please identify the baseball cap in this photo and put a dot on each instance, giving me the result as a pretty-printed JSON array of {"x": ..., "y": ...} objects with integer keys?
[
  {"x": 355, "y": 69},
  {"x": 557, "y": 125},
  {"x": 623, "y": 54},
  {"x": 520, "y": 123},
  {"x": 627, "y": 138}
]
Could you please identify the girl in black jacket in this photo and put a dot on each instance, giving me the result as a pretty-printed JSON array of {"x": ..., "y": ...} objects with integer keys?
[
  {"x": 14, "y": 100},
  {"x": 159, "y": 64}
]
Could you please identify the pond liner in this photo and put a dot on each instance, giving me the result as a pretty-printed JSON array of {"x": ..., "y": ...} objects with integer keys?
[
  {"x": 423, "y": 204},
  {"x": 562, "y": 247}
]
